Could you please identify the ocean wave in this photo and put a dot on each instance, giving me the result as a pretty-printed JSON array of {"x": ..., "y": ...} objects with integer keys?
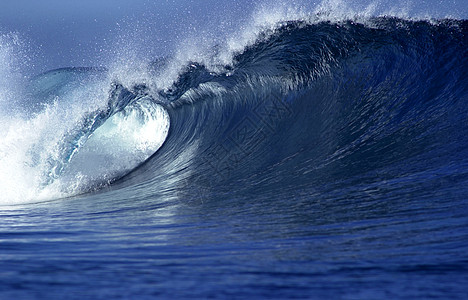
[{"x": 306, "y": 101}]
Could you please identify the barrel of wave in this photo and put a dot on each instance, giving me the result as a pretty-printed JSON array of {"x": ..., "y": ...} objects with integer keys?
[{"x": 118, "y": 146}]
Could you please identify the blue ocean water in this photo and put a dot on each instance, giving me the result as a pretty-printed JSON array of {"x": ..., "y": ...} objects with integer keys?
[{"x": 311, "y": 157}]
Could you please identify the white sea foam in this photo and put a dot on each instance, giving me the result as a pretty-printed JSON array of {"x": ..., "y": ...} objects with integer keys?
[{"x": 47, "y": 153}]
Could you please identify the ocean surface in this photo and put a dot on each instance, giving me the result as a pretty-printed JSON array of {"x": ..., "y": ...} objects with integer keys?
[{"x": 307, "y": 157}]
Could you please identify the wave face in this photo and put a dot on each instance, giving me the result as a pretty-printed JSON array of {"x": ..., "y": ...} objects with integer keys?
[
  {"x": 322, "y": 106},
  {"x": 323, "y": 158}
]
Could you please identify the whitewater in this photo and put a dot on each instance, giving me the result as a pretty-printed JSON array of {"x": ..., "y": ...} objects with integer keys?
[{"x": 311, "y": 153}]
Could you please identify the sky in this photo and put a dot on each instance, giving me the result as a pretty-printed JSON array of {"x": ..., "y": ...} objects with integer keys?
[{"x": 62, "y": 33}]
